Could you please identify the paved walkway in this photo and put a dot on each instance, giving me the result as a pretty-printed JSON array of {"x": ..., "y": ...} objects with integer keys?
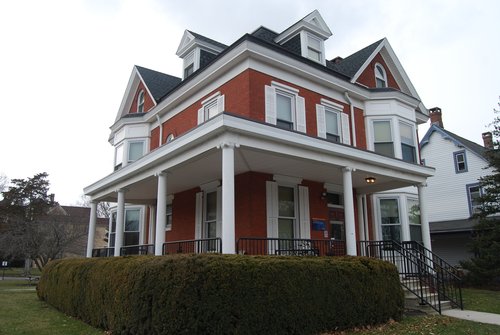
[{"x": 482, "y": 317}]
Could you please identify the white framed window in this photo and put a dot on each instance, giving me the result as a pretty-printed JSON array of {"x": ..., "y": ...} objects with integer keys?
[
  {"x": 135, "y": 150},
  {"x": 314, "y": 48},
  {"x": 168, "y": 225},
  {"x": 131, "y": 227},
  {"x": 474, "y": 192},
  {"x": 382, "y": 137},
  {"x": 211, "y": 107},
  {"x": 189, "y": 63},
  {"x": 284, "y": 107},
  {"x": 460, "y": 161},
  {"x": 380, "y": 76},
  {"x": 332, "y": 123},
  {"x": 390, "y": 220},
  {"x": 140, "y": 102},
  {"x": 408, "y": 147},
  {"x": 170, "y": 138},
  {"x": 118, "y": 157},
  {"x": 414, "y": 219}
]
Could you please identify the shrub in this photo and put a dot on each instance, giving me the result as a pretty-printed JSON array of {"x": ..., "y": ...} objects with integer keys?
[{"x": 224, "y": 294}]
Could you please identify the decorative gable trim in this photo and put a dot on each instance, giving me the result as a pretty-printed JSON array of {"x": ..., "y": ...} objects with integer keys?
[
  {"x": 190, "y": 42},
  {"x": 312, "y": 23}
]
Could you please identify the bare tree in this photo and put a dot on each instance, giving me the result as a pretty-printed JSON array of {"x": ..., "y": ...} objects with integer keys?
[
  {"x": 103, "y": 208},
  {"x": 4, "y": 181}
]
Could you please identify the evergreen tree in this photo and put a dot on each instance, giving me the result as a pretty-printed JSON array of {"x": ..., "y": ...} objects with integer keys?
[{"x": 484, "y": 268}]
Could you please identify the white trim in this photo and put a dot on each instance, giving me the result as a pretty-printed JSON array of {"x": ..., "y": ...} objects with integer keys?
[
  {"x": 210, "y": 98},
  {"x": 304, "y": 216},
  {"x": 382, "y": 76},
  {"x": 289, "y": 89},
  {"x": 210, "y": 186},
  {"x": 333, "y": 188},
  {"x": 313, "y": 22},
  {"x": 331, "y": 104},
  {"x": 272, "y": 209},
  {"x": 287, "y": 180}
]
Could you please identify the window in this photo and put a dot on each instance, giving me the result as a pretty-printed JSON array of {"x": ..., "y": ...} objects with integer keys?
[
  {"x": 135, "y": 150},
  {"x": 383, "y": 138},
  {"x": 335, "y": 199},
  {"x": 380, "y": 76},
  {"x": 284, "y": 110},
  {"x": 390, "y": 222},
  {"x": 286, "y": 216},
  {"x": 314, "y": 48},
  {"x": 407, "y": 143},
  {"x": 168, "y": 225},
  {"x": 189, "y": 64},
  {"x": 460, "y": 162},
  {"x": 211, "y": 107},
  {"x": 473, "y": 194},
  {"x": 118, "y": 157},
  {"x": 414, "y": 220},
  {"x": 332, "y": 120},
  {"x": 112, "y": 230},
  {"x": 132, "y": 220},
  {"x": 284, "y": 107},
  {"x": 188, "y": 70},
  {"x": 332, "y": 123},
  {"x": 140, "y": 102},
  {"x": 170, "y": 138},
  {"x": 210, "y": 217}
]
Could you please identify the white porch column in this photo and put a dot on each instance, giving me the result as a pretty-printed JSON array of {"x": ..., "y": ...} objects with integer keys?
[
  {"x": 120, "y": 221},
  {"x": 92, "y": 224},
  {"x": 424, "y": 221},
  {"x": 228, "y": 220},
  {"x": 350, "y": 230},
  {"x": 361, "y": 217},
  {"x": 161, "y": 213}
]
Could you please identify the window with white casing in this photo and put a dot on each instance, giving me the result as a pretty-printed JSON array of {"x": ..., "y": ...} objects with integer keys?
[
  {"x": 189, "y": 64},
  {"x": 135, "y": 150},
  {"x": 211, "y": 107},
  {"x": 408, "y": 146},
  {"x": 332, "y": 123},
  {"x": 132, "y": 227},
  {"x": 118, "y": 156},
  {"x": 390, "y": 220},
  {"x": 140, "y": 102},
  {"x": 380, "y": 76},
  {"x": 314, "y": 48},
  {"x": 168, "y": 225},
  {"x": 284, "y": 107},
  {"x": 414, "y": 220},
  {"x": 382, "y": 137},
  {"x": 473, "y": 195}
]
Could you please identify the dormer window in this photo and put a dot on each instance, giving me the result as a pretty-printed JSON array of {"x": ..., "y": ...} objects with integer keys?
[
  {"x": 140, "y": 102},
  {"x": 380, "y": 76},
  {"x": 189, "y": 64},
  {"x": 314, "y": 48}
]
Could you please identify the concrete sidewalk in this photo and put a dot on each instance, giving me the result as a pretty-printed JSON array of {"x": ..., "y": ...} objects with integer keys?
[{"x": 482, "y": 317}]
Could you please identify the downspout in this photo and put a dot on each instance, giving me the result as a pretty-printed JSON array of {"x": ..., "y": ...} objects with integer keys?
[
  {"x": 161, "y": 129},
  {"x": 353, "y": 122}
]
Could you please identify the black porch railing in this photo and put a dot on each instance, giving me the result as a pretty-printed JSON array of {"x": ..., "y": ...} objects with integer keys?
[
  {"x": 143, "y": 249},
  {"x": 103, "y": 252},
  {"x": 207, "y": 245},
  {"x": 289, "y": 247},
  {"x": 422, "y": 272}
]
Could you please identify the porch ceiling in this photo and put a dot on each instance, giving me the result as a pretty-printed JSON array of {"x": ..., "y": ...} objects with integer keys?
[{"x": 194, "y": 159}]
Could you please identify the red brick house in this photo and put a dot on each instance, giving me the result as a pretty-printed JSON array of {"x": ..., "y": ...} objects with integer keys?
[{"x": 263, "y": 146}]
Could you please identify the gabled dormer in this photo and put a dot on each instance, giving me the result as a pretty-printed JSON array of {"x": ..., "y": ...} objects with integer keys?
[
  {"x": 307, "y": 37},
  {"x": 197, "y": 51}
]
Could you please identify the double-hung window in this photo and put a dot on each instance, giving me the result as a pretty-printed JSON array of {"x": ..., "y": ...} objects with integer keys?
[
  {"x": 390, "y": 220},
  {"x": 460, "y": 161},
  {"x": 382, "y": 138},
  {"x": 118, "y": 157},
  {"x": 168, "y": 225},
  {"x": 414, "y": 220},
  {"x": 284, "y": 107},
  {"x": 473, "y": 195},
  {"x": 314, "y": 49},
  {"x": 211, "y": 107},
  {"x": 332, "y": 123},
  {"x": 132, "y": 225},
  {"x": 408, "y": 150},
  {"x": 189, "y": 64},
  {"x": 135, "y": 150},
  {"x": 380, "y": 76}
]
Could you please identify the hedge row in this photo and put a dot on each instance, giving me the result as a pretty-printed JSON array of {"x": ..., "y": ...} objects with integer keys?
[{"x": 224, "y": 294}]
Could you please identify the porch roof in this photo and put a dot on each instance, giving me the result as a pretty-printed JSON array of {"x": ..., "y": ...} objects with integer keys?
[{"x": 194, "y": 159}]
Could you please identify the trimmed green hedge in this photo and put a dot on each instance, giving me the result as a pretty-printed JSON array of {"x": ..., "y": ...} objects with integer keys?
[{"x": 224, "y": 294}]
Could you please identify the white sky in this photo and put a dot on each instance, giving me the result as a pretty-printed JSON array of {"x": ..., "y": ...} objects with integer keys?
[{"x": 65, "y": 65}]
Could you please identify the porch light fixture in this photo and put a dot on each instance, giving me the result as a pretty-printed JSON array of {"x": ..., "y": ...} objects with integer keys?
[{"x": 370, "y": 180}]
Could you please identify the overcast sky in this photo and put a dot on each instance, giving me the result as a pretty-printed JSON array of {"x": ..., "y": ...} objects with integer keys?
[{"x": 65, "y": 65}]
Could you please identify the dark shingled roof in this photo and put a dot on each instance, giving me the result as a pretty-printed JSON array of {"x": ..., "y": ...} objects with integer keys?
[
  {"x": 351, "y": 64},
  {"x": 208, "y": 40},
  {"x": 158, "y": 83},
  {"x": 472, "y": 146},
  {"x": 265, "y": 34}
]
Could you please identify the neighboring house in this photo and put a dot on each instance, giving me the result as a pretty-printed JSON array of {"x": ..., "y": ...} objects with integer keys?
[
  {"x": 453, "y": 191},
  {"x": 261, "y": 143}
]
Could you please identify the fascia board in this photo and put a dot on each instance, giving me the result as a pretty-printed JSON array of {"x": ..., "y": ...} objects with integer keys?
[{"x": 132, "y": 82}]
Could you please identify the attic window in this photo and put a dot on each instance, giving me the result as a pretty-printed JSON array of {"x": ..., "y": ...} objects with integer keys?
[
  {"x": 380, "y": 76},
  {"x": 189, "y": 64},
  {"x": 314, "y": 48},
  {"x": 140, "y": 102}
]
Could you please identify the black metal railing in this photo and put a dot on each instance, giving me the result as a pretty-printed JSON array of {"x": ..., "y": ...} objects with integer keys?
[
  {"x": 206, "y": 245},
  {"x": 103, "y": 252},
  {"x": 142, "y": 249},
  {"x": 422, "y": 272},
  {"x": 289, "y": 247}
]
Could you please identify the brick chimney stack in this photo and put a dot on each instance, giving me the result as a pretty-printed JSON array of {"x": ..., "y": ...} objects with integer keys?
[
  {"x": 488, "y": 140},
  {"x": 435, "y": 114}
]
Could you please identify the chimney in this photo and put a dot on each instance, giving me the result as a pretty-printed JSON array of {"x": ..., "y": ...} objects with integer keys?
[
  {"x": 337, "y": 60},
  {"x": 435, "y": 114},
  {"x": 488, "y": 140}
]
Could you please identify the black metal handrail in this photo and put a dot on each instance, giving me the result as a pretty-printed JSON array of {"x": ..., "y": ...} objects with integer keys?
[
  {"x": 419, "y": 273},
  {"x": 141, "y": 249},
  {"x": 103, "y": 252},
  {"x": 199, "y": 246},
  {"x": 289, "y": 247}
]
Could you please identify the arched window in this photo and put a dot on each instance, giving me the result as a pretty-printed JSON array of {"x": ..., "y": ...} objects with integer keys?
[
  {"x": 170, "y": 138},
  {"x": 380, "y": 76},
  {"x": 140, "y": 102}
]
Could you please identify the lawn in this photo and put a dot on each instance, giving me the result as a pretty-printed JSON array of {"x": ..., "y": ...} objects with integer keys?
[{"x": 21, "y": 313}]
